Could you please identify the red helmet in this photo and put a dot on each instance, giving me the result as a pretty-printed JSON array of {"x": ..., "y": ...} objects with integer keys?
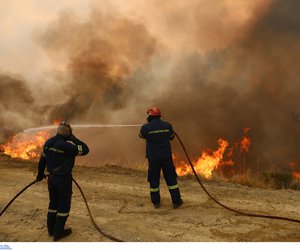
[{"x": 154, "y": 111}]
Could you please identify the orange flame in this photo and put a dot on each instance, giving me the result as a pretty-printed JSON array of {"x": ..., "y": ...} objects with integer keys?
[
  {"x": 245, "y": 142},
  {"x": 246, "y": 130},
  {"x": 293, "y": 165},
  {"x": 207, "y": 162},
  {"x": 296, "y": 175},
  {"x": 25, "y": 146},
  {"x": 56, "y": 121}
]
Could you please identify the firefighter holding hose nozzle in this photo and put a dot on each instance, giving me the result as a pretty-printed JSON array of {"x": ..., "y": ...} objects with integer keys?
[
  {"x": 158, "y": 134},
  {"x": 58, "y": 155}
]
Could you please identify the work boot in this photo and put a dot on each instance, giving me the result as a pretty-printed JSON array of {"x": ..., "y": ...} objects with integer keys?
[
  {"x": 65, "y": 233},
  {"x": 177, "y": 204},
  {"x": 51, "y": 218},
  {"x": 59, "y": 225}
]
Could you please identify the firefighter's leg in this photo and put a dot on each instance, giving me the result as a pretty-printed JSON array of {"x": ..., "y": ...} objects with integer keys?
[
  {"x": 154, "y": 192},
  {"x": 64, "y": 205},
  {"x": 171, "y": 180},
  {"x": 53, "y": 205},
  {"x": 153, "y": 179}
]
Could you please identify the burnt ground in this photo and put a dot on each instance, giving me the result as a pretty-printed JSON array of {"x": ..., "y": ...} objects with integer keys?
[{"x": 118, "y": 198}]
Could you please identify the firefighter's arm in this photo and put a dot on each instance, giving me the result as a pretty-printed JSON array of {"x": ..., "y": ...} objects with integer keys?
[
  {"x": 141, "y": 136},
  {"x": 172, "y": 135},
  {"x": 76, "y": 148},
  {"x": 142, "y": 133},
  {"x": 82, "y": 148},
  {"x": 41, "y": 167}
]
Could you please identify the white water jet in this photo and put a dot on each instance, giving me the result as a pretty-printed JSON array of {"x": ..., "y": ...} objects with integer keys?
[{"x": 31, "y": 130}]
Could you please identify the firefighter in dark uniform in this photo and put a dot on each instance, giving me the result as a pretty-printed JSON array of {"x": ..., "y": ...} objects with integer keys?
[
  {"x": 59, "y": 156},
  {"x": 158, "y": 134}
]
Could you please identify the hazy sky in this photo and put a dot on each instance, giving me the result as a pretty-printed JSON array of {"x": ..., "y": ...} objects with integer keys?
[
  {"x": 19, "y": 21},
  {"x": 94, "y": 61},
  {"x": 170, "y": 21}
]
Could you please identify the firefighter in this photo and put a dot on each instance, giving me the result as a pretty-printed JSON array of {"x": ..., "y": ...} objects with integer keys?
[
  {"x": 158, "y": 134},
  {"x": 59, "y": 156}
]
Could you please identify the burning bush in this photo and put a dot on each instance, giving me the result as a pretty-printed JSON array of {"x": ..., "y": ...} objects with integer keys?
[{"x": 25, "y": 146}]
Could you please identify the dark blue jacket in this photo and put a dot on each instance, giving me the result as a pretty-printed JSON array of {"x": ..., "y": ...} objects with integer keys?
[
  {"x": 59, "y": 154},
  {"x": 158, "y": 134}
]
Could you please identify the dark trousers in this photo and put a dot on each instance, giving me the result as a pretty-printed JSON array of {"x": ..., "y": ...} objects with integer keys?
[
  {"x": 60, "y": 195},
  {"x": 170, "y": 176}
]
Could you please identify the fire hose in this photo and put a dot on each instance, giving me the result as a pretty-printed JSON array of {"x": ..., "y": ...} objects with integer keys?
[
  {"x": 221, "y": 204},
  {"x": 199, "y": 181},
  {"x": 92, "y": 219},
  {"x": 86, "y": 204}
]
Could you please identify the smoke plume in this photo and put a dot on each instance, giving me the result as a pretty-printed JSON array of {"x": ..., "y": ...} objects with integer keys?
[
  {"x": 211, "y": 69},
  {"x": 16, "y": 106},
  {"x": 101, "y": 54}
]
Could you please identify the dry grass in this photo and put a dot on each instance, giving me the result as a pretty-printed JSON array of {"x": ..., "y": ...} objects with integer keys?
[{"x": 267, "y": 180}]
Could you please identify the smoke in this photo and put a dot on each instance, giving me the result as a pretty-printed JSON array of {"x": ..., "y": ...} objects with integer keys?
[
  {"x": 214, "y": 68},
  {"x": 16, "y": 106},
  {"x": 101, "y": 54},
  {"x": 251, "y": 84}
]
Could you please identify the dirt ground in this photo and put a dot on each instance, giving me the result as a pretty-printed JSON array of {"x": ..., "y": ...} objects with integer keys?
[{"x": 119, "y": 201}]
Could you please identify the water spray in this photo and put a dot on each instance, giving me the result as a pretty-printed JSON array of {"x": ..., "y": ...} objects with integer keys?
[
  {"x": 113, "y": 238},
  {"x": 32, "y": 130}
]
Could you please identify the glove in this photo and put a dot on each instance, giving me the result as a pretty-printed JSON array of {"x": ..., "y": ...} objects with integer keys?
[{"x": 40, "y": 176}]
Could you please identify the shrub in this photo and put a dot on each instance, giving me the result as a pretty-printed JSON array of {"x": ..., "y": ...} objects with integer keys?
[{"x": 277, "y": 180}]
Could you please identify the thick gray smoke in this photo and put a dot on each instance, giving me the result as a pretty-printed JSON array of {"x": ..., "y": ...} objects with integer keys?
[
  {"x": 102, "y": 53},
  {"x": 16, "y": 106},
  {"x": 253, "y": 84},
  {"x": 116, "y": 68}
]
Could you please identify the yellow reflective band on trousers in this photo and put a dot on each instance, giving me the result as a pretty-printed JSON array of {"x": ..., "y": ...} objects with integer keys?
[
  {"x": 173, "y": 187},
  {"x": 63, "y": 214},
  {"x": 158, "y": 131},
  {"x": 154, "y": 189},
  {"x": 52, "y": 211},
  {"x": 79, "y": 149}
]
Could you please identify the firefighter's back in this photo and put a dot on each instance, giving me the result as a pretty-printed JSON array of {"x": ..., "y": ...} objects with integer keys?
[
  {"x": 60, "y": 159},
  {"x": 158, "y": 134}
]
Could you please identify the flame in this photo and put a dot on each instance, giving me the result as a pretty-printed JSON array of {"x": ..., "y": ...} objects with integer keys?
[
  {"x": 230, "y": 152},
  {"x": 296, "y": 175},
  {"x": 207, "y": 162},
  {"x": 56, "y": 121},
  {"x": 25, "y": 146},
  {"x": 245, "y": 142},
  {"x": 246, "y": 130},
  {"x": 293, "y": 166}
]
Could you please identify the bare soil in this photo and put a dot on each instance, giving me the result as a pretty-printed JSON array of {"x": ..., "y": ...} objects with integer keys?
[{"x": 119, "y": 201}]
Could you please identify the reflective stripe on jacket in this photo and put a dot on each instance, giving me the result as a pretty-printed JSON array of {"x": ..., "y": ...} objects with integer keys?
[
  {"x": 158, "y": 134},
  {"x": 59, "y": 154}
]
